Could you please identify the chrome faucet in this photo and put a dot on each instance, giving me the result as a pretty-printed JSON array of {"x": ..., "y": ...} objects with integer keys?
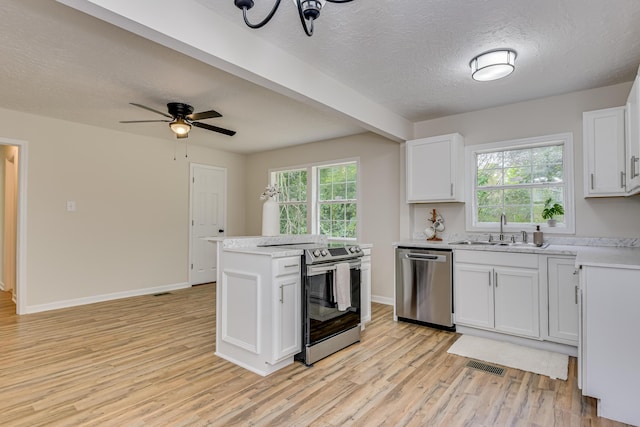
[{"x": 503, "y": 219}]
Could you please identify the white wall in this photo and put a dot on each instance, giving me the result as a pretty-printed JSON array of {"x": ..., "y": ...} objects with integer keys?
[
  {"x": 379, "y": 174},
  {"x": 130, "y": 230},
  {"x": 609, "y": 217}
]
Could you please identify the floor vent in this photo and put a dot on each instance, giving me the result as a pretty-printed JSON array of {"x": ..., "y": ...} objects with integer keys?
[
  {"x": 161, "y": 294},
  {"x": 491, "y": 369}
]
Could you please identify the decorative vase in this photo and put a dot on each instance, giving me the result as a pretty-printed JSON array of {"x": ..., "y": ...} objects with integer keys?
[{"x": 270, "y": 218}]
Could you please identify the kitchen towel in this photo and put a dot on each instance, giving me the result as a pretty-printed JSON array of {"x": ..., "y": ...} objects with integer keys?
[{"x": 342, "y": 286}]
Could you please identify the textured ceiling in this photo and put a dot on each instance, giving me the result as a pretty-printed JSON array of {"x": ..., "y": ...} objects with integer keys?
[{"x": 409, "y": 56}]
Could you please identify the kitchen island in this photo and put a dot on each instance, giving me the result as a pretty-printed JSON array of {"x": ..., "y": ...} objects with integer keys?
[{"x": 259, "y": 299}]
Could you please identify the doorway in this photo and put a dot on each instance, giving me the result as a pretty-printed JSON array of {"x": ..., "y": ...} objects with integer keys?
[
  {"x": 13, "y": 156},
  {"x": 208, "y": 200}
]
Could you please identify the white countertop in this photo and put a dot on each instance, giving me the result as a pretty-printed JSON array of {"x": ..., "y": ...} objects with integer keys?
[
  {"x": 249, "y": 244},
  {"x": 597, "y": 256},
  {"x": 602, "y": 256}
]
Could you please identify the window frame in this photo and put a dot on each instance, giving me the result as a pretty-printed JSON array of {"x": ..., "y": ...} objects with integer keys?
[
  {"x": 313, "y": 205},
  {"x": 471, "y": 208}
]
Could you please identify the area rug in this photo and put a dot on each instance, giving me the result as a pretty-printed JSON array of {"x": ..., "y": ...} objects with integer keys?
[{"x": 553, "y": 365}]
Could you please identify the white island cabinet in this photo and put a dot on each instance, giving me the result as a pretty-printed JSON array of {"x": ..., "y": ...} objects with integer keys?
[{"x": 258, "y": 310}]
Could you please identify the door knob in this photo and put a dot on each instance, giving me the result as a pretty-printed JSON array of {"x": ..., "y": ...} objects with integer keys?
[{"x": 221, "y": 231}]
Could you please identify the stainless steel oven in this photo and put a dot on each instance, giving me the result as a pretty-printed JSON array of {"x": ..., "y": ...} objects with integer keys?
[
  {"x": 330, "y": 299},
  {"x": 331, "y": 276},
  {"x": 327, "y": 328}
]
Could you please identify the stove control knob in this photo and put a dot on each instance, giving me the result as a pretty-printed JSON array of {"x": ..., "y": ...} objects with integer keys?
[
  {"x": 316, "y": 253},
  {"x": 358, "y": 249},
  {"x": 323, "y": 252},
  {"x": 352, "y": 249}
]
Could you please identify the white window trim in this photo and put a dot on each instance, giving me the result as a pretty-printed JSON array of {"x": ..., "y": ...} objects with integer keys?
[
  {"x": 312, "y": 188},
  {"x": 470, "y": 206}
]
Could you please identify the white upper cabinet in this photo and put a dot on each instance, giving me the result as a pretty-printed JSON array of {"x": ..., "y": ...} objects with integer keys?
[
  {"x": 604, "y": 152},
  {"x": 435, "y": 169},
  {"x": 633, "y": 139}
]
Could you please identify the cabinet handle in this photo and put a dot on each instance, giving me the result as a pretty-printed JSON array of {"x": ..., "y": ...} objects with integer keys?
[
  {"x": 490, "y": 284},
  {"x": 282, "y": 289},
  {"x": 290, "y": 265},
  {"x": 592, "y": 181},
  {"x": 452, "y": 189},
  {"x": 495, "y": 274},
  {"x": 576, "y": 293},
  {"x": 621, "y": 179},
  {"x": 634, "y": 170}
]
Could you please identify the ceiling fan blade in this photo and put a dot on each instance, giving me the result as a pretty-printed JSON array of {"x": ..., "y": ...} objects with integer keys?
[
  {"x": 151, "y": 109},
  {"x": 204, "y": 115},
  {"x": 214, "y": 128},
  {"x": 145, "y": 121}
]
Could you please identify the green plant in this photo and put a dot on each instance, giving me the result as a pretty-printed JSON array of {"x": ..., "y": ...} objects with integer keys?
[{"x": 551, "y": 209}]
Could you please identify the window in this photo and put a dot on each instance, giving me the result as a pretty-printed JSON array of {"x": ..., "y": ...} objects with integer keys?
[
  {"x": 293, "y": 201},
  {"x": 332, "y": 208},
  {"x": 337, "y": 200},
  {"x": 517, "y": 178}
]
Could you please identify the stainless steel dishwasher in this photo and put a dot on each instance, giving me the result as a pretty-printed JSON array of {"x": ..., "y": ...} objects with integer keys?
[{"x": 424, "y": 291}]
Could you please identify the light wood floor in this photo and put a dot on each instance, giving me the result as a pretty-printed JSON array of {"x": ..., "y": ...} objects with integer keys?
[{"x": 148, "y": 361}]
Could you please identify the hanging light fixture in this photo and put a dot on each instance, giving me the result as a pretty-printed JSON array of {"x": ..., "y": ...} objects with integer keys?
[
  {"x": 180, "y": 127},
  {"x": 493, "y": 65},
  {"x": 308, "y": 10}
]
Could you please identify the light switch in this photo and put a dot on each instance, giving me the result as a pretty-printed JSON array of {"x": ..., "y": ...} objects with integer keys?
[{"x": 71, "y": 206}]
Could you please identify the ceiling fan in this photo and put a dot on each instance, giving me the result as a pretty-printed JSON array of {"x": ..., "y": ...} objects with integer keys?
[{"x": 182, "y": 118}]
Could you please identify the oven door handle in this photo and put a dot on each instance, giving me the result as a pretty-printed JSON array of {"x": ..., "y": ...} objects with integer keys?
[{"x": 315, "y": 270}]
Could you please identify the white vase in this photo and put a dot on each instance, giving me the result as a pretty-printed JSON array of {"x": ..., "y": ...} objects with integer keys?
[
  {"x": 551, "y": 222},
  {"x": 270, "y": 218}
]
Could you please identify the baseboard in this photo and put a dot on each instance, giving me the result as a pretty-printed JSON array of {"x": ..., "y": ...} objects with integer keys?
[
  {"x": 382, "y": 300},
  {"x": 527, "y": 342},
  {"x": 106, "y": 297}
]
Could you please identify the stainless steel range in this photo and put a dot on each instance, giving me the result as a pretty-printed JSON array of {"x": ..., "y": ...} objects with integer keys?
[{"x": 330, "y": 299}]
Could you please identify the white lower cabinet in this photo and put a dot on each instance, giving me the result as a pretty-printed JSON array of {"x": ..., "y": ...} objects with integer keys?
[
  {"x": 610, "y": 342},
  {"x": 497, "y": 291},
  {"x": 287, "y": 322},
  {"x": 259, "y": 316},
  {"x": 562, "y": 288}
]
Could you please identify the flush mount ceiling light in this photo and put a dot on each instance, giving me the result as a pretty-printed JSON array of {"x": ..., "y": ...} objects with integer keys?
[
  {"x": 180, "y": 127},
  {"x": 493, "y": 65},
  {"x": 309, "y": 11}
]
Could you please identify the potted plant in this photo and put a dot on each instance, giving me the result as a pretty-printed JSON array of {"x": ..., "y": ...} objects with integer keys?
[{"x": 550, "y": 210}]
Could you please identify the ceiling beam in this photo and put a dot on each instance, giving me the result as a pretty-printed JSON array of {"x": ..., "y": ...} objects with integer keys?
[{"x": 196, "y": 31}]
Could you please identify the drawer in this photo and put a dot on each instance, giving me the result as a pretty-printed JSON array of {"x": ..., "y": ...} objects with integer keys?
[
  {"x": 506, "y": 259},
  {"x": 285, "y": 266}
]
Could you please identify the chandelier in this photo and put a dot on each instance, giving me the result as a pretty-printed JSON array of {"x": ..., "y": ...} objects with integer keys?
[{"x": 309, "y": 11}]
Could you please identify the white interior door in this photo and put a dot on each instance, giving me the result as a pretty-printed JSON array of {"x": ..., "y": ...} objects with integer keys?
[{"x": 208, "y": 208}]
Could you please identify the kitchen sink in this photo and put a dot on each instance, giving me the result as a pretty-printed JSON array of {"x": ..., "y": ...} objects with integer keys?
[
  {"x": 472, "y": 242},
  {"x": 498, "y": 243}
]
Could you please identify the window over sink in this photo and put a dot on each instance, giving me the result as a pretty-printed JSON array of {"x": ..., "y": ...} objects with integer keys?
[
  {"x": 517, "y": 178},
  {"x": 320, "y": 199}
]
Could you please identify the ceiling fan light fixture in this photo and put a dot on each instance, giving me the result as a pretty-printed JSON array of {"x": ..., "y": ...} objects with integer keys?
[
  {"x": 493, "y": 65},
  {"x": 180, "y": 127}
]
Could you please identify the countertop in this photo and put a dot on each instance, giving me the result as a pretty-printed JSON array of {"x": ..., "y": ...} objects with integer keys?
[
  {"x": 600, "y": 256},
  {"x": 249, "y": 244}
]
